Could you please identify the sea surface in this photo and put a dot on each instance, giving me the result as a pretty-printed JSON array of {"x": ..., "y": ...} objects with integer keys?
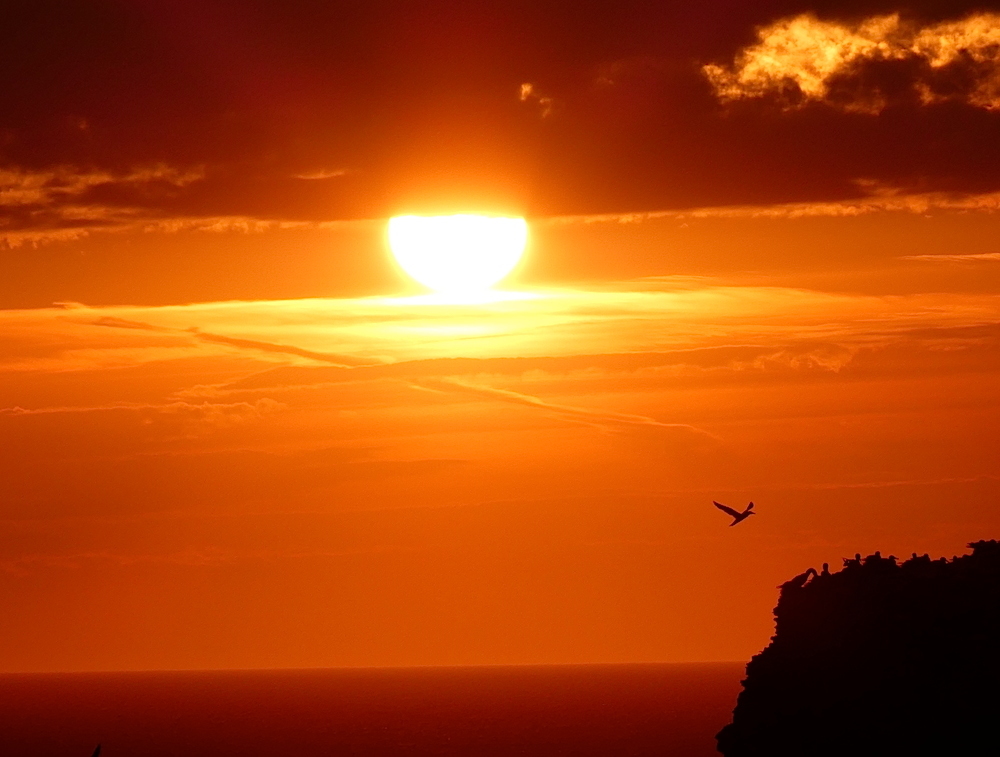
[{"x": 609, "y": 710}]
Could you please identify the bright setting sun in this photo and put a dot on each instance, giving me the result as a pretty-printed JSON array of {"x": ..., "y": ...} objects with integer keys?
[{"x": 457, "y": 254}]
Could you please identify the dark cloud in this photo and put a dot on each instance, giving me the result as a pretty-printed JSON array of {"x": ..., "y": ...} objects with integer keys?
[{"x": 309, "y": 111}]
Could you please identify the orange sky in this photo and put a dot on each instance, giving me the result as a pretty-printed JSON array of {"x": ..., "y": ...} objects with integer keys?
[
  {"x": 383, "y": 481},
  {"x": 234, "y": 436}
]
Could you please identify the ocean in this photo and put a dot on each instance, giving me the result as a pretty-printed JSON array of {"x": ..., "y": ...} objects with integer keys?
[{"x": 667, "y": 710}]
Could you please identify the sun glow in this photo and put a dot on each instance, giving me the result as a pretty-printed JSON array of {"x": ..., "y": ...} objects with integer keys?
[{"x": 457, "y": 255}]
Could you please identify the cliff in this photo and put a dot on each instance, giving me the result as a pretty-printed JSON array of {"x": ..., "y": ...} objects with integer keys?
[{"x": 880, "y": 658}]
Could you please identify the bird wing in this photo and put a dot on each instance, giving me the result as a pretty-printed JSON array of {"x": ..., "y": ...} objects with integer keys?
[
  {"x": 727, "y": 510},
  {"x": 749, "y": 507}
]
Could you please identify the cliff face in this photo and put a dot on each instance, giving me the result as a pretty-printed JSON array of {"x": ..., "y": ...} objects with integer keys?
[{"x": 879, "y": 658}]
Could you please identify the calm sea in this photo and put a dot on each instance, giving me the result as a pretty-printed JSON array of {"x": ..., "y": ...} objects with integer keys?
[{"x": 607, "y": 710}]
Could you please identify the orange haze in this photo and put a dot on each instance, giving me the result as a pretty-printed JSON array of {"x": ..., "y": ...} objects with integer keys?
[{"x": 381, "y": 480}]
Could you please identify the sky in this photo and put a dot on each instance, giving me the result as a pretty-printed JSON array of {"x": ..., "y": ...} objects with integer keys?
[{"x": 762, "y": 265}]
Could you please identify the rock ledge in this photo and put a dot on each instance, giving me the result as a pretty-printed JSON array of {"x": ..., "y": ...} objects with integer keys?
[{"x": 879, "y": 658}]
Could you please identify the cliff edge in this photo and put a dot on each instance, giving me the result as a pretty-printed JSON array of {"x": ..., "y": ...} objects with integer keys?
[{"x": 879, "y": 658}]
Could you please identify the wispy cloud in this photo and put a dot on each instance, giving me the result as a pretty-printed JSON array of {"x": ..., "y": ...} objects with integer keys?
[
  {"x": 880, "y": 200},
  {"x": 20, "y": 186},
  {"x": 70, "y": 222},
  {"x": 372, "y": 338},
  {"x": 122, "y": 323},
  {"x": 65, "y": 203},
  {"x": 972, "y": 257},
  {"x": 700, "y": 363},
  {"x": 529, "y": 93},
  {"x": 601, "y": 418},
  {"x": 203, "y": 410},
  {"x": 321, "y": 173},
  {"x": 343, "y": 361},
  {"x": 805, "y": 59}
]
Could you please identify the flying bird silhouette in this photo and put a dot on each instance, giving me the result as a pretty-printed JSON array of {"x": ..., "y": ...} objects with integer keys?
[
  {"x": 97, "y": 752},
  {"x": 737, "y": 516}
]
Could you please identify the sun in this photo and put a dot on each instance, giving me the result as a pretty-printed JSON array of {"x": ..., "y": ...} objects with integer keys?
[{"x": 459, "y": 254}]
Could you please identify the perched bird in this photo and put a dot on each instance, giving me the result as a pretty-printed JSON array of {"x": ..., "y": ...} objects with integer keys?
[{"x": 737, "y": 516}]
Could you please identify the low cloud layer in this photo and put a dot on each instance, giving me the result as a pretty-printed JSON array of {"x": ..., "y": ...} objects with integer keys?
[
  {"x": 867, "y": 65},
  {"x": 65, "y": 202},
  {"x": 881, "y": 200}
]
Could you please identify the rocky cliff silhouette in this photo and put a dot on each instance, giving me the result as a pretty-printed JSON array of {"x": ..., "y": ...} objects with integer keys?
[{"x": 880, "y": 658}]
